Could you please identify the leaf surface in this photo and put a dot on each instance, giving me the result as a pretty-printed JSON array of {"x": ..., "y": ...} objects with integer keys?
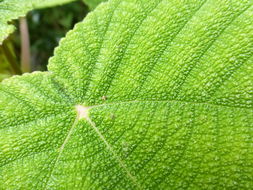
[
  {"x": 13, "y": 9},
  {"x": 140, "y": 95}
]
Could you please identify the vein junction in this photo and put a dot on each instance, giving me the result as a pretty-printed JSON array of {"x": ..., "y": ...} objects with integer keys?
[{"x": 82, "y": 113}]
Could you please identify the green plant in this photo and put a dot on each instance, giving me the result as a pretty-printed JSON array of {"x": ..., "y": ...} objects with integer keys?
[
  {"x": 7, "y": 56},
  {"x": 13, "y": 9},
  {"x": 140, "y": 95},
  {"x": 93, "y": 3},
  {"x": 47, "y": 24}
]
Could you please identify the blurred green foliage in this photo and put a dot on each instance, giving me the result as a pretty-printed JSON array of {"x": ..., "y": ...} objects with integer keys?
[
  {"x": 93, "y": 3},
  {"x": 4, "y": 66},
  {"x": 5, "y": 69},
  {"x": 48, "y": 26}
]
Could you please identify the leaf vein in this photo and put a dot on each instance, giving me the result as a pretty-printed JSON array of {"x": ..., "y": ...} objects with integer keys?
[
  {"x": 172, "y": 100},
  {"x": 145, "y": 76},
  {"x": 127, "y": 44},
  {"x": 101, "y": 45},
  {"x": 206, "y": 50},
  {"x": 121, "y": 163}
]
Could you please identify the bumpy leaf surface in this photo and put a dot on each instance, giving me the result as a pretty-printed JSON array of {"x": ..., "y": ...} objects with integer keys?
[
  {"x": 13, "y": 9},
  {"x": 93, "y": 3},
  {"x": 141, "y": 95}
]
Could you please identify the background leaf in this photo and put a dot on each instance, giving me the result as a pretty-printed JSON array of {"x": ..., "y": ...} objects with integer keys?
[
  {"x": 141, "y": 95},
  {"x": 5, "y": 69},
  {"x": 48, "y": 26},
  {"x": 13, "y": 9},
  {"x": 93, "y": 3}
]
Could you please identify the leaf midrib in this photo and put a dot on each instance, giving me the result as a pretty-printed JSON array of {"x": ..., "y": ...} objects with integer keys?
[{"x": 168, "y": 101}]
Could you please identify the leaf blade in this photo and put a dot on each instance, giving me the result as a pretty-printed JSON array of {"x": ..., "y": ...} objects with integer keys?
[{"x": 167, "y": 89}]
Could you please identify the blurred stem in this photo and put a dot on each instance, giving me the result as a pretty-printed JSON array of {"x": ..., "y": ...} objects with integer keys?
[
  {"x": 11, "y": 59},
  {"x": 25, "y": 46}
]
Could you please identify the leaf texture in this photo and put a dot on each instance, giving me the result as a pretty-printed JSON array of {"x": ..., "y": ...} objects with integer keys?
[
  {"x": 140, "y": 95},
  {"x": 13, "y": 9}
]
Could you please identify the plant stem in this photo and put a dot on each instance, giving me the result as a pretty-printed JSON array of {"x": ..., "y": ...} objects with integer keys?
[
  {"x": 11, "y": 59},
  {"x": 25, "y": 46}
]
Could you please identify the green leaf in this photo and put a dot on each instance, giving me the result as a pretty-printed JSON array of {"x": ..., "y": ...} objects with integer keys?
[
  {"x": 5, "y": 66},
  {"x": 141, "y": 95},
  {"x": 92, "y": 4},
  {"x": 4, "y": 76},
  {"x": 13, "y": 9}
]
